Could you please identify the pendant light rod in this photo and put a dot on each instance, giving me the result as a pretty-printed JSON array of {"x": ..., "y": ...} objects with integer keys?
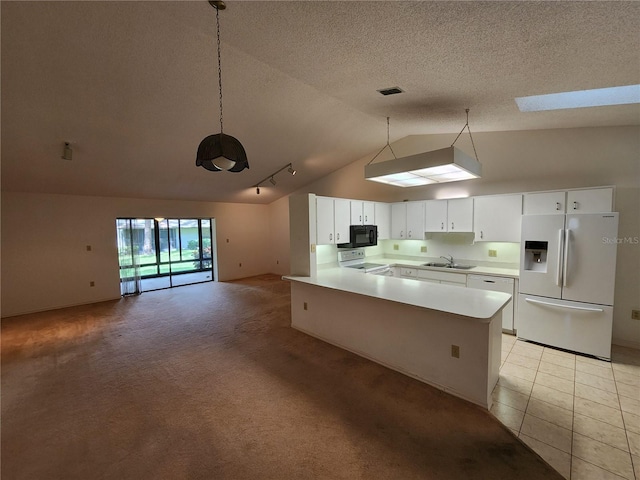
[
  {"x": 219, "y": 5},
  {"x": 466, "y": 125},
  {"x": 288, "y": 167},
  {"x": 387, "y": 145}
]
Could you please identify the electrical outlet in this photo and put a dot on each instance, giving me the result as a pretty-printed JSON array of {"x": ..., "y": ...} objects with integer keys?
[
  {"x": 313, "y": 248},
  {"x": 305, "y": 305},
  {"x": 396, "y": 246},
  {"x": 92, "y": 284},
  {"x": 493, "y": 253},
  {"x": 635, "y": 314},
  {"x": 240, "y": 265},
  {"x": 277, "y": 262},
  {"x": 455, "y": 351},
  {"x": 423, "y": 249},
  {"x": 88, "y": 248}
]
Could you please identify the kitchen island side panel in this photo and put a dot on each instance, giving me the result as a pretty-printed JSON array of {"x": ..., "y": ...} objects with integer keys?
[{"x": 412, "y": 340}]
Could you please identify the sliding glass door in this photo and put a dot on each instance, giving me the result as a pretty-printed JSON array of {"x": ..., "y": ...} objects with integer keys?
[{"x": 167, "y": 252}]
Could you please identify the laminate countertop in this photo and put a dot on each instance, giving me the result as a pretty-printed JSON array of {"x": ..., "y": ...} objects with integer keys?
[{"x": 468, "y": 302}]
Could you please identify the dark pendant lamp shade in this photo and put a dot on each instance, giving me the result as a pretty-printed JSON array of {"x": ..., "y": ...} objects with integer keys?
[{"x": 221, "y": 152}]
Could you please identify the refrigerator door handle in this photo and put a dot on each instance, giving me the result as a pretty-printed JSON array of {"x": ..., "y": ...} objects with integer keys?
[
  {"x": 559, "y": 265},
  {"x": 565, "y": 273},
  {"x": 588, "y": 309}
]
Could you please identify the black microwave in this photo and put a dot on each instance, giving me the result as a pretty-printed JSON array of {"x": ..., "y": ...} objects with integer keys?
[{"x": 361, "y": 236}]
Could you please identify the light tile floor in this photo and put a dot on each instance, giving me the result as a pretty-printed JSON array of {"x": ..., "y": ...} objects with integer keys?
[{"x": 580, "y": 414}]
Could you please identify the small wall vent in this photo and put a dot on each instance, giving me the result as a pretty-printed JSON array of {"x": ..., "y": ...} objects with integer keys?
[{"x": 390, "y": 91}]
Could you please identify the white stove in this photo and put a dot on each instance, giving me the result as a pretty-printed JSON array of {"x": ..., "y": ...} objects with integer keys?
[{"x": 355, "y": 259}]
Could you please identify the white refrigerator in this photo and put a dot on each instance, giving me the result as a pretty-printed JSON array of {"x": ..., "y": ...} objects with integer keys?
[{"x": 567, "y": 279}]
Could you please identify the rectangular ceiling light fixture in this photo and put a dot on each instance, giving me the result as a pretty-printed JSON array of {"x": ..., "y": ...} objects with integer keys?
[
  {"x": 598, "y": 97},
  {"x": 438, "y": 166}
]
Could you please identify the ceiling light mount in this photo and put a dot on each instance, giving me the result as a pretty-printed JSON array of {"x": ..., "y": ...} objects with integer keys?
[
  {"x": 438, "y": 166},
  {"x": 67, "y": 151},
  {"x": 220, "y": 151}
]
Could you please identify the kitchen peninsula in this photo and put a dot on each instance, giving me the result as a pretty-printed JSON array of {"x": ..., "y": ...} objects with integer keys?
[
  {"x": 443, "y": 335},
  {"x": 446, "y": 336}
]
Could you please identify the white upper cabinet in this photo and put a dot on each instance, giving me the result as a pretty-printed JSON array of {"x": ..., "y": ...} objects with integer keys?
[
  {"x": 341, "y": 219},
  {"x": 460, "y": 214},
  {"x": 544, "y": 203},
  {"x": 407, "y": 220},
  {"x": 362, "y": 213},
  {"x": 588, "y": 200},
  {"x": 455, "y": 215},
  {"x": 497, "y": 218},
  {"x": 399, "y": 221},
  {"x": 333, "y": 217},
  {"x": 415, "y": 220},
  {"x": 595, "y": 200},
  {"x": 435, "y": 213},
  {"x": 382, "y": 216}
]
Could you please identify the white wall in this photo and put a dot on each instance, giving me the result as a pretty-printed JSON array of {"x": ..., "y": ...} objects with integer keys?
[
  {"x": 521, "y": 161},
  {"x": 45, "y": 264}
]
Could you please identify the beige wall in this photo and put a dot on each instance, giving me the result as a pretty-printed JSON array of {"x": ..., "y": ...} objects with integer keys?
[
  {"x": 45, "y": 263},
  {"x": 536, "y": 160}
]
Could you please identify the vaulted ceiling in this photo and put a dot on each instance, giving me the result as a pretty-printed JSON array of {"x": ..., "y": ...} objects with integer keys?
[{"x": 133, "y": 85}]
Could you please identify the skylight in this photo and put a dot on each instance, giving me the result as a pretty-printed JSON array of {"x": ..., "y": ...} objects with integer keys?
[{"x": 598, "y": 97}]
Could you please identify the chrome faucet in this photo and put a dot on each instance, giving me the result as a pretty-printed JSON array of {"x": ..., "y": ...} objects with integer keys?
[{"x": 448, "y": 259}]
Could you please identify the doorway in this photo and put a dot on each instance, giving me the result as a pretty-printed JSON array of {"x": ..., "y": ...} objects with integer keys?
[{"x": 157, "y": 253}]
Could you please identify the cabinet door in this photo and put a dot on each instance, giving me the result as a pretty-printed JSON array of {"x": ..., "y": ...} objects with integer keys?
[
  {"x": 356, "y": 213},
  {"x": 435, "y": 216},
  {"x": 596, "y": 200},
  {"x": 398, "y": 220},
  {"x": 497, "y": 218},
  {"x": 460, "y": 215},
  {"x": 545, "y": 203},
  {"x": 415, "y": 220},
  {"x": 324, "y": 221},
  {"x": 341, "y": 219},
  {"x": 369, "y": 214},
  {"x": 382, "y": 216}
]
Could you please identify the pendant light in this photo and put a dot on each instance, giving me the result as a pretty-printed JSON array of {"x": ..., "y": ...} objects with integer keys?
[
  {"x": 438, "y": 166},
  {"x": 220, "y": 151}
]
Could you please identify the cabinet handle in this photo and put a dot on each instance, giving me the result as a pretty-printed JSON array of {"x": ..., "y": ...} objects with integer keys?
[
  {"x": 360, "y": 218},
  {"x": 401, "y": 233},
  {"x": 409, "y": 233},
  {"x": 366, "y": 219},
  {"x": 442, "y": 226},
  {"x": 575, "y": 205},
  {"x": 452, "y": 226},
  {"x": 330, "y": 236},
  {"x": 337, "y": 236},
  {"x": 557, "y": 205},
  {"x": 481, "y": 234}
]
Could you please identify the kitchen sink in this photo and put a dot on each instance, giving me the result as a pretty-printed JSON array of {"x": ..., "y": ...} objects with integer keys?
[{"x": 448, "y": 265}]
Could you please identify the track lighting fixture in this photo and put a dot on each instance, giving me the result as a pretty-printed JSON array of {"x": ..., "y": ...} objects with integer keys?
[{"x": 288, "y": 167}]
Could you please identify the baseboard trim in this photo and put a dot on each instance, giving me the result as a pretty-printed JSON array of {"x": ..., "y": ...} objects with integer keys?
[
  {"x": 625, "y": 343},
  {"x": 58, "y": 307}
]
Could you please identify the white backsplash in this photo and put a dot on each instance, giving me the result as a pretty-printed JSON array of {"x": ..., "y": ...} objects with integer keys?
[{"x": 458, "y": 245}]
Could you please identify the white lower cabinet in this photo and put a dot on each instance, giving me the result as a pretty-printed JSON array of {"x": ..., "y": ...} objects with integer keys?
[{"x": 446, "y": 278}]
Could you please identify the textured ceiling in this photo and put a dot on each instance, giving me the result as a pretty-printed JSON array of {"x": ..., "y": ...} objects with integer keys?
[{"x": 133, "y": 85}]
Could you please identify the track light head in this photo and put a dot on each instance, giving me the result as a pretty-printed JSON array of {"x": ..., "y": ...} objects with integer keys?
[
  {"x": 257, "y": 190},
  {"x": 291, "y": 170},
  {"x": 272, "y": 180}
]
